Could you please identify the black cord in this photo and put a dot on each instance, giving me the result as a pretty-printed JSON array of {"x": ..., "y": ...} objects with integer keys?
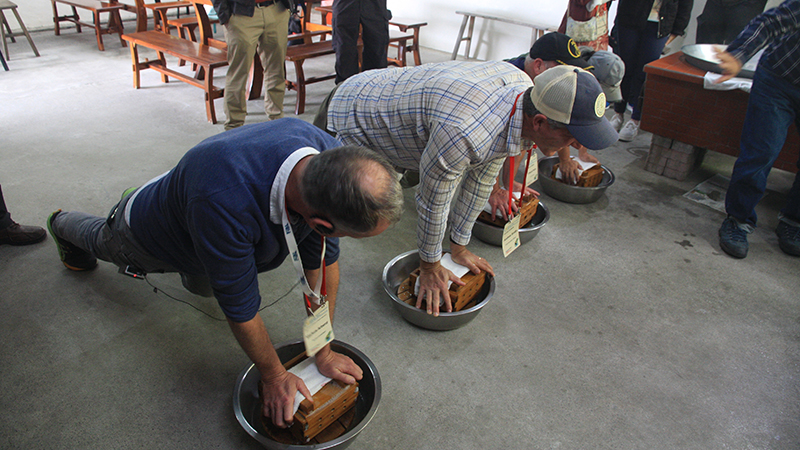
[{"x": 157, "y": 290}]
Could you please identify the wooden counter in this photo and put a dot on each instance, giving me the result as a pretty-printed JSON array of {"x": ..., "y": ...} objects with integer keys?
[{"x": 677, "y": 107}]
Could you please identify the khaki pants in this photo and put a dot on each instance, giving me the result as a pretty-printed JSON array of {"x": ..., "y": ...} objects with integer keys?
[{"x": 266, "y": 32}]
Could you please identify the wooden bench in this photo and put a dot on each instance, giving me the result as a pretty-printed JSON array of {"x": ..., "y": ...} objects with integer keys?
[
  {"x": 297, "y": 54},
  {"x": 97, "y": 7},
  {"x": 205, "y": 57},
  {"x": 537, "y": 30}
]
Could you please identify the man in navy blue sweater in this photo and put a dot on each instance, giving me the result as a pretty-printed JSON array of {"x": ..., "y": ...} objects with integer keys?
[
  {"x": 228, "y": 211},
  {"x": 773, "y": 105}
]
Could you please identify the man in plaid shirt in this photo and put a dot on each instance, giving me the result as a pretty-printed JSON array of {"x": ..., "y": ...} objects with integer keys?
[
  {"x": 773, "y": 105},
  {"x": 455, "y": 123}
]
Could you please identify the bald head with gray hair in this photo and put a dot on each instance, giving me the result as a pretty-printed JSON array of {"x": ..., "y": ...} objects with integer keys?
[{"x": 354, "y": 187}]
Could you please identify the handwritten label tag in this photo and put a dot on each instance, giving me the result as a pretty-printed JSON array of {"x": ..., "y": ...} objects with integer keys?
[
  {"x": 511, "y": 236},
  {"x": 533, "y": 169},
  {"x": 317, "y": 330}
]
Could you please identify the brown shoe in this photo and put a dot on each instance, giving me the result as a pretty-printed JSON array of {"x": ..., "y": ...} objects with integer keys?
[{"x": 18, "y": 234}]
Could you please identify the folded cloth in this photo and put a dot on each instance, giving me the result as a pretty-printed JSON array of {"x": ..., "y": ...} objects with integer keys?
[
  {"x": 729, "y": 85},
  {"x": 488, "y": 207},
  {"x": 447, "y": 263},
  {"x": 582, "y": 165},
  {"x": 307, "y": 371}
]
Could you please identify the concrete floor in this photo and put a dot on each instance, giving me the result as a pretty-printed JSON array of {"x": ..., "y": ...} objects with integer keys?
[{"x": 622, "y": 325}]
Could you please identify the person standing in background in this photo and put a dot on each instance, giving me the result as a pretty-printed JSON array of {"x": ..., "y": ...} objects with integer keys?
[
  {"x": 586, "y": 21},
  {"x": 13, "y": 233},
  {"x": 372, "y": 17},
  {"x": 252, "y": 26},
  {"x": 773, "y": 105},
  {"x": 641, "y": 30},
  {"x": 722, "y": 20}
]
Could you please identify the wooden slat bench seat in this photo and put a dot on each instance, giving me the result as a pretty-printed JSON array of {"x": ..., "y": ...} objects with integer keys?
[
  {"x": 297, "y": 54},
  {"x": 97, "y": 7},
  {"x": 206, "y": 58}
]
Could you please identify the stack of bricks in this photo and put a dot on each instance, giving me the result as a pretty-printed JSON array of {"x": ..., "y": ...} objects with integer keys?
[{"x": 671, "y": 158}]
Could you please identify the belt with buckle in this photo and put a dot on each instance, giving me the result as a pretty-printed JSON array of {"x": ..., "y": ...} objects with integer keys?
[{"x": 266, "y": 3}]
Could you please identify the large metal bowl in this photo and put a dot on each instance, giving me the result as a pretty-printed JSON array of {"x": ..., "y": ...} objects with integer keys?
[
  {"x": 492, "y": 234},
  {"x": 247, "y": 405},
  {"x": 398, "y": 269},
  {"x": 568, "y": 193},
  {"x": 704, "y": 57}
]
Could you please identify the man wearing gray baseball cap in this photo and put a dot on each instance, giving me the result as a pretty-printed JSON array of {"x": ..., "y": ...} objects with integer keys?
[{"x": 609, "y": 69}]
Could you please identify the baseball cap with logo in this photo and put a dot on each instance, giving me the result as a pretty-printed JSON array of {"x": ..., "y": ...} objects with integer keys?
[
  {"x": 558, "y": 47},
  {"x": 572, "y": 96},
  {"x": 609, "y": 70}
]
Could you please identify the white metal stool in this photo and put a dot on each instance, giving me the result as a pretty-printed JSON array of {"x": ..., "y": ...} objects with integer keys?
[{"x": 6, "y": 4}]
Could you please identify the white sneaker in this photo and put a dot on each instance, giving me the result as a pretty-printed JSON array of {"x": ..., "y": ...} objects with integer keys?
[
  {"x": 629, "y": 131},
  {"x": 616, "y": 122}
]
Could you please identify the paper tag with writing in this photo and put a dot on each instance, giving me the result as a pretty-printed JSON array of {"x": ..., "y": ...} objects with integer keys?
[
  {"x": 317, "y": 330},
  {"x": 511, "y": 235},
  {"x": 533, "y": 169}
]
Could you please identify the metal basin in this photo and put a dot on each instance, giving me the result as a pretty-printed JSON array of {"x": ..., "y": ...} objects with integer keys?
[
  {"x": 247, "y": 405},
  {"x": 398, "y": 269},
  {"x": 492, "y": 234},
  {"x": 705, "y": 58},
  {"x": 568, "y": 193}
]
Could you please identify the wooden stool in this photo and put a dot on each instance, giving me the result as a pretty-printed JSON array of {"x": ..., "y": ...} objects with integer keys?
[{"x": 6, "y": 4}]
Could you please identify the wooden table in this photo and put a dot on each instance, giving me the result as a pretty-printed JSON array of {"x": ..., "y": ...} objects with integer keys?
[{"x": 677, "y": 107}]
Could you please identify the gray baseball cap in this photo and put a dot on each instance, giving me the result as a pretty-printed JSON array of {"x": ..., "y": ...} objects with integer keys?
[{"x": 609, "y": 70}]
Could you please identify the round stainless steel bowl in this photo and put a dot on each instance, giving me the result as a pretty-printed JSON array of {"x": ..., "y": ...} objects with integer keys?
[
  {"x": 567, "y": 193},
  {"x": 247, "y": 405},
  {"x": 398, "y": 270},
  {"x": 704, "y": 57},
  {"x": 492, "y": 234}
]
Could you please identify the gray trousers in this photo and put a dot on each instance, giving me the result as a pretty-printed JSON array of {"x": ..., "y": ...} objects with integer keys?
[{"x": 112, "y": 240}]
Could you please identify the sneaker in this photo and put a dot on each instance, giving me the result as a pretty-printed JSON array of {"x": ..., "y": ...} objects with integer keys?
[
  {"x": 629, "y": 131},
  {"x": 616, "y": 122},
  {"x": 128, "y": 192},
  {"x": 788, "y": 238},
  {"x": 733, "y": 237},
  {"x": 71, "y": 255},
  {"x": 17, "y": 234}
]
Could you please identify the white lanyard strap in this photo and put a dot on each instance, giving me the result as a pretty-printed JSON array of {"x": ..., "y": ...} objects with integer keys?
[{"x": 314, "y": 294}]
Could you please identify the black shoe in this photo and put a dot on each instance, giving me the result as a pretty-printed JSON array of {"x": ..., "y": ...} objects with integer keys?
[
  {"x": 733, "y": 237},
  {"x": 74, "y": 257},
  {"x": 17, "y": 234},
  {"x": 788, "y": 238}
]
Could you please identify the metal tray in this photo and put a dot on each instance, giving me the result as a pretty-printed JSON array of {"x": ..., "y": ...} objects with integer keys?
[{"x": 704, "y": 57}]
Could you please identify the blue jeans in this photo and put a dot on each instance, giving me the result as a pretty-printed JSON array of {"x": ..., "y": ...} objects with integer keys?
[
  {"x": 773, "y": 106},
  {"x": 636, "y": 49}
]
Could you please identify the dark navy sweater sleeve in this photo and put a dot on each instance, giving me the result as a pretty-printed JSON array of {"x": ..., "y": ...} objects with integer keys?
[{"x": 210, "y": 215}]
